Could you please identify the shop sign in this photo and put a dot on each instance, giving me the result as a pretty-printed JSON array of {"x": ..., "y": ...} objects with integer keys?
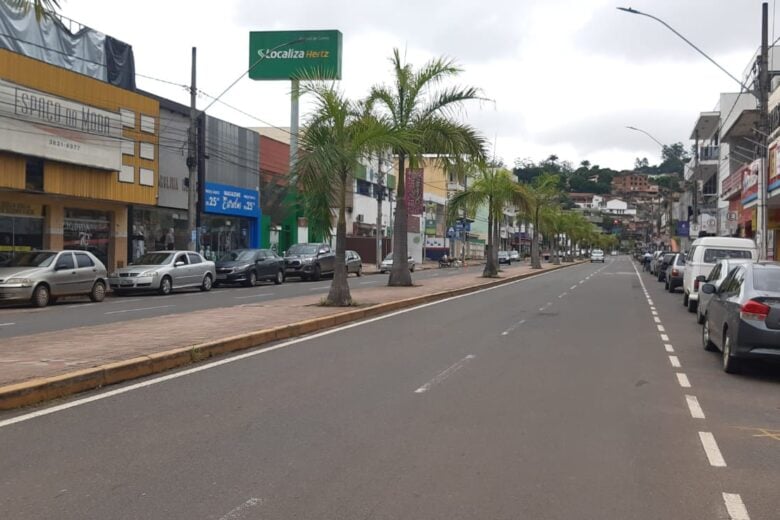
[
  {"x": 44, "y": 125},
  {"x": 774, "y": 173},
  {"x": 750, "y": 182},
  {"x": 683, "y": 228},
  {"x": 231, "y": 200},
  {"x": 21, "y": 209},
  {"x": 413, "y": 195},
  {"x": 294, "y": 54}
]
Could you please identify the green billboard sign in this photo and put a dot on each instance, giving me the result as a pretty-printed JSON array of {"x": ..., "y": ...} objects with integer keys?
[{"x": 275, "y": 55}]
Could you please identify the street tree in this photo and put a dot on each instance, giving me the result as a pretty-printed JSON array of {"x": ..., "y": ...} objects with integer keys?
[
  {"x": 339, "y": 133},
  {"x": 543, "y": 193},
  {"x": 418, "y": 105},
  {"x": 495, "y": 189}
]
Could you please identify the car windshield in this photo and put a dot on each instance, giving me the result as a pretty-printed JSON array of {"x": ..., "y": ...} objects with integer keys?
[
  {"x": 154, "y": 259},
  {"x": 30, "y": 259},
  {"x": 767, "y": 279},
  {"x": 712, "y": 255},
  {"x": 303, "y": 249},
  {"x": 598, "y": 252},
  {"x": 239, "y": 255},
  {"x": 680, "y": 259}
]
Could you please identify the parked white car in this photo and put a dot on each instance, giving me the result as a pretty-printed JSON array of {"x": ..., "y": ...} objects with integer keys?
[
  {"x": 387, "y": 264},
  {"x": 701, "y": 260}
]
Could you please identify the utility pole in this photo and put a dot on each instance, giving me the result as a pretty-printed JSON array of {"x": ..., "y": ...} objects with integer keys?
[
  {"x": 379, "y": 198},
  {"x": 763, "y": 131},
  {"x": 696, "y": 183},
  {"x": 192, "y": 163}
]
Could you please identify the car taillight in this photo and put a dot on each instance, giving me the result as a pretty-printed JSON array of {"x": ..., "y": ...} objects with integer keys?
[
  {"x": 675, "y": 272},
  {"x": 753, "y": 310}
]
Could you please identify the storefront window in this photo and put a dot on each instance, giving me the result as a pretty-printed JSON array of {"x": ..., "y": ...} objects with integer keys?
[
  {"x": 18, "y": 234},
  {"x": 88, "y": 230},
  {"x": 222, "y": 234},
  {"x": 157, "y": 230}
]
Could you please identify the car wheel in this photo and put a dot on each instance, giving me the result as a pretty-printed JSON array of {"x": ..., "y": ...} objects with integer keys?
[
  {"x": 98, "y": 292},
  {"x": 706, "y": 342},
  {"x": 165, "y": 286},
  {"x": 666, "y": 286},
  {"x": 41, "y": 296},
  {"x": 360, "y": 270},
  {"x": 685, "y": 299},
  {"x": 692, "y": 305},
  {"x": 279, "y": 278},
  {"x": 699, "y": 316},
  {"x": 207, "y": 283},
  {"x": 730, "y": 363},
  {"x": 317, "y": 274},
  {"x": 251, "y": 279}
]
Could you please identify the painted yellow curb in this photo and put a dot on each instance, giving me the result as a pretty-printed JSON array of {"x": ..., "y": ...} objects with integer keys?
[{"x": 45, "y": 389}]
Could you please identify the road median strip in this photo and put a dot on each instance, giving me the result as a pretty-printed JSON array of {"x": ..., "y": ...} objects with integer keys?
[{"x": 35, "y": 391}]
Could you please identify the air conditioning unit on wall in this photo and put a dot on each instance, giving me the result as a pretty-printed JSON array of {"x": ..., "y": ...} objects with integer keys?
[{"x": 359, "y": 218}]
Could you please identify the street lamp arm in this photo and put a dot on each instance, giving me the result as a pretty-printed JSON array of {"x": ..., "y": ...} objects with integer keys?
[
  {"x": 686, "y": 40},
  {"x": 647, "y": 134}
]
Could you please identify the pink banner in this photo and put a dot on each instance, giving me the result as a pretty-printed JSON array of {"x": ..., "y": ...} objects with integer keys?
[{"x": 413, "y": 196}]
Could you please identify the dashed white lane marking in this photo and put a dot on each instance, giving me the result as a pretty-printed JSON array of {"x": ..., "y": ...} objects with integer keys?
[
  {"x": 735, "y": 506},
  {"x": 582, "y": 282},
  {"x": 650, "y": 302},
  {"x": 668, "y": 347},
  {"x": 661, "y": 328},
  {"x": 323, "y": 288},
  {"x": 131, "y": 300},
  {"x": 562, "y": 295},
  {"x": 683, "y": 380},
  {"x": 664, "y": 337},
  {"x": 78, "y": 305},
  {"x": 139, "y": 310},
  {"x": 369, "y": 283},
  {"x": 712, "y": 450},
  {"x": 513, "y": 327},
  {"x": 260, "y": 295},
  {"x": 441, "y": 376},
  {"x": 654, "y": 313},
  {"x": 572, "y": 287},
  {"x": 694, "y": 407},
  {"x": 674, "y": 360},
  {"x": 241, "y": 511},
  {"x": 657, "y": 319},
  {"x": 543, "y": 307},
  {"x": 7, "y": 324}
]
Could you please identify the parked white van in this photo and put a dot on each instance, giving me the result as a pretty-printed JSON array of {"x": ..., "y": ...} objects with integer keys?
[{"x": 702, "y": 257}]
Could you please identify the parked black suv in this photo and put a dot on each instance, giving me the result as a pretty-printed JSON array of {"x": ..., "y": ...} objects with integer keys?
[{"x": 309, "y": 261}]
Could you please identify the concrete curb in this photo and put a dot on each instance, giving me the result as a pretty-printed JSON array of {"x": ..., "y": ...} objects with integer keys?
[{"x": 45, "y": 389}]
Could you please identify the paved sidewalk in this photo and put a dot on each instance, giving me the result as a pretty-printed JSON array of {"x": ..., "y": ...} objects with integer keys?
[{"x": 53, "y": 353}]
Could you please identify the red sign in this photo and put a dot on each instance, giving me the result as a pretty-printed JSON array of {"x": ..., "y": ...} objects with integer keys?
[
  {"x": 750, "y": 182},
  {"x": 413, "y": 196},
  {"x": 732, "y": 185}
]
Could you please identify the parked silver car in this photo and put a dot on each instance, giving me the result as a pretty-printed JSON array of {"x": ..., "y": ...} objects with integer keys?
[
  {"x": 722, "y": 268},
  {"x": 354, "y": 262},
  {"x": 387, "y": 264},
  {"x": 41, "y": 277},
  {"x": 164, "y": 271}
]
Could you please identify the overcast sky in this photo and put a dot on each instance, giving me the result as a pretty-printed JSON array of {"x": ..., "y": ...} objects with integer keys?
[{"x": 565, "y": 76}]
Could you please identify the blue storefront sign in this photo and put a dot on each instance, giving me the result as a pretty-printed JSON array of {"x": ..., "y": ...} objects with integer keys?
[
  {"x": 683, "y": 228},
  {"x": 231, "y": 200}
]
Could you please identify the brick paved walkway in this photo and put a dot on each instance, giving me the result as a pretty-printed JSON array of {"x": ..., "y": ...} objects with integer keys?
[{"x": 52, "y": 353}]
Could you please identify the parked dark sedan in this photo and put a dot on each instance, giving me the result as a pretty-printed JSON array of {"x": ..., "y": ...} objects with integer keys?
[
  {"x": 663, "y": 263},
  {"x": 743, "y": 316},
  {"x": 674, "y": 272},
  {"x": 247, "y": 266}
]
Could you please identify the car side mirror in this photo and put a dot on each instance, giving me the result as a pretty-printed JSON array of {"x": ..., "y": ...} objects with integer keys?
[
  {"x": 701, "y": 278},
  {"x": 321, "y": 252},
  {"x": 178, "y": 264},
  {"x": 708, "y": 288}
]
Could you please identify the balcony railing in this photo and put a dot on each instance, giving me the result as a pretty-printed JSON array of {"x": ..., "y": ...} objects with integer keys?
[{"x": 709, "y": 153}]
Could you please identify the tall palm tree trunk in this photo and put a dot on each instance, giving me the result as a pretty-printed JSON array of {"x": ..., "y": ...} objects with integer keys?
[
  {"x": 491, "y": 269},
  {"x": 535, "y": 262},
  {"x": 339, "y": 294},
  {"x": 556, "y": 249},
  {"x": 400, "y": 276}
]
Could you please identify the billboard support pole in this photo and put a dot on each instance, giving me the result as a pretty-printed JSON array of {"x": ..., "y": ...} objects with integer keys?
[{"x": 295, "y": 93}]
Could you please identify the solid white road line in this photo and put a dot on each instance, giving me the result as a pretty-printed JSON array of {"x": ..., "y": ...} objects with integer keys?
[
  {"x": 694, "y": 407},
  {"x": 712, "y": 450},
  {"x": 513, "y": 327},
  {"x": 664, "y": 337},
  {"x": 75, "y": 305},
  {"x": 441, "y": 376},
  {"x": 668, "y": 347},
  {"x": 683, "y": 380},
  {"x": 674, "y": 361},
  {"x": 246, "y": 355},
  {"x": 241, "y": 511},
  {"x": 735, "y": 506},
  {"x": 261, "y": 295},
  {"x": 7, "y": 324},
  {"x": 127, "y": 301},
  {"x": 139, "y": 310}
]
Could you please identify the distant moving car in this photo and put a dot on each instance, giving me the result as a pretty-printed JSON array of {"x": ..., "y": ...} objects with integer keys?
[
  {"x": 743, "y": 316},
  {"x": 674, "y": 273},
  {"x": 514, "y": 255},
  {"x": 40, "y": 277},
  {"x": 663, "y": 263},
  {"x": 504, "y": 258},
  {"x": 387, "y": 263},
  {"x": 702, "y": 256},
  {"x": 309, "y": 261},
  {"x": 165, "y": 271},
  {"x": 722, "y": 268},
  {"x": 354, "y": 262},
  {"x": 597, "y": 255},
  {"x": 247, "y": 266},
  {"x": 614, "y": 253}
]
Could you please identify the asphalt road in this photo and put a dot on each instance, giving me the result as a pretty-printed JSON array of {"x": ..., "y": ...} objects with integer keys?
[
  {"x": 79, "y": 312},
  {"x": 550, "y": 398}
]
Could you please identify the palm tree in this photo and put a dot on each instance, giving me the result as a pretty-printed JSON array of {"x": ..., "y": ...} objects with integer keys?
[
  {"x": 42, "y": 8},
  {"x": 425, "y": 113},
  {"x": 552, "y": 224},
  {"x": 543, "y": 193},
  {"x": 338, "y": 134},
  {"x": 494, "y": 188}
]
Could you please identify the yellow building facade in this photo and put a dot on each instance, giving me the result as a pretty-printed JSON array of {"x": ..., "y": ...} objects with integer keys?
[{"x": 75, "y": 152}]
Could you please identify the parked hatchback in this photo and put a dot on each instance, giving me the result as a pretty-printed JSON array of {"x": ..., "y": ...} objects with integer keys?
[
  {"x": 674, "y": 273},
  {"x": 354, "y": 262},
  {"x": 743, "y": 316},
  {"x": 387, "y": 263},
  {"x": 40, "y": 277},
  {"x": 165, "y": 271},
  {"x": 247, "y": 266}
]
